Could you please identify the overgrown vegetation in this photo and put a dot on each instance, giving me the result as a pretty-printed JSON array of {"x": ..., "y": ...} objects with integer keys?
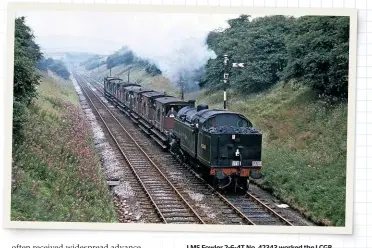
[
  {"x": 314, "y": 49},
  {"x": 56, "y": 66},
  {"x": 56, "y": 172}
]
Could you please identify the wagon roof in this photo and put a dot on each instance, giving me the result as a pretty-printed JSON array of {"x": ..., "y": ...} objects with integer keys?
[
  {"x": 141, "y": 90},
  {"x": 125, "y": 85},
  {"x": 169, "y": 100},
  {"x": 131, "y": 87},
  {"x": 152, "y": 94}
]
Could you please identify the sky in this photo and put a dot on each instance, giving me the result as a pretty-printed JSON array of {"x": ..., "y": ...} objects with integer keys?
[
  {"x": 101, "y": 32},
  {"x": 174, "y": 42}
]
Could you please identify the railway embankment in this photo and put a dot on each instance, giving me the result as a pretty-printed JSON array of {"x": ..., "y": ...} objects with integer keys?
[
  {"x": 56, "y": 171},
  {"x": 304, "y": 150}
]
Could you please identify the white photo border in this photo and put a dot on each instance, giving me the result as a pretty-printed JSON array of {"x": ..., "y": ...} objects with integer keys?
[{"x": 13, "y": 8}]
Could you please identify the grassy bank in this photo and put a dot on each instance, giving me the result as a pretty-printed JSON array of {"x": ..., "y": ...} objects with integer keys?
[
  {"x": 56, "y": 171},
  {"x": 304, "y": 150}
]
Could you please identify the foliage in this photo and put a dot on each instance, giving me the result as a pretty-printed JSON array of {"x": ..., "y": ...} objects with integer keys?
[
  {"x": 56, "y": 171},
  {"x": 150, "y": 68},
  {"x": 277, "y": 48},
  {"x": 56, "y": 66},
  {"x": 318, "y": 53},
  {"x": 126, "y": 57},
  {"x": 119, "y": 58},
  {"x": 26, "y": 77}
]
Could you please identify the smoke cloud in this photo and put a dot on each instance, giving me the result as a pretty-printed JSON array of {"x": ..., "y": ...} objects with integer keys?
[{"x": 183, "y": 53}]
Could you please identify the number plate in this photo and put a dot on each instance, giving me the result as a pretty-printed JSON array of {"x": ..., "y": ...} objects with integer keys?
[
  {"x": 257, "y": 163},
  {"x": 235, "y": 163}
]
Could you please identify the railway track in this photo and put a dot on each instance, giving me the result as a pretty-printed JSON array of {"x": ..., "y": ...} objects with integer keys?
[
  {"x": 233, "y": 209},
  {"x": 170, "y": 205}
]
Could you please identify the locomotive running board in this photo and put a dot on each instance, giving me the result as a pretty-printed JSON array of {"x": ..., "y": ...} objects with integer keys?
[{"x": 158, "y": 141}]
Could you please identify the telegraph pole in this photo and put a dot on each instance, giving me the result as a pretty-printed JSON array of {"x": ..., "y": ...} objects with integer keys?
[
  {"x": 128, "y": 75},
  {"x": 225, "y": 79}
]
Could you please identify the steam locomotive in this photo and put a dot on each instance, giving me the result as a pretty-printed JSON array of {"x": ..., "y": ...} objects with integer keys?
[{"x": 223, "y": 145}]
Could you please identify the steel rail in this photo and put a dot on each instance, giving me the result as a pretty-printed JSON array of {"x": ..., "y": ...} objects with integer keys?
[{"x": 270, "y": 210}]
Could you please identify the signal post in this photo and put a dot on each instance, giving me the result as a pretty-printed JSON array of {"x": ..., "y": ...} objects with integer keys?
[{"x": 226, "y": 77}]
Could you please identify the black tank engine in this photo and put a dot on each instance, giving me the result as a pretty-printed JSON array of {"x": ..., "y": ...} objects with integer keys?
[{"x": 222, "y": 144}]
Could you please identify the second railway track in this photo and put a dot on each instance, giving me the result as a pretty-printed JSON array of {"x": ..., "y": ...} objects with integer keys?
[{"x": 235, "y": 209}]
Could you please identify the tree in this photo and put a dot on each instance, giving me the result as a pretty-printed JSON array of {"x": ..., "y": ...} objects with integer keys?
[
  {"x": 56, "y": 66},
  {"x": 259, "y": 43},
  {"x": 311, "y": 49},
  {"x": 26, "y": 78},
  {"x": 318, "y": 52}
]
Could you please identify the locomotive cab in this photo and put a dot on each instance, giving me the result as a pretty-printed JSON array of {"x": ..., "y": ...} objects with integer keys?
[{"x": 231, "y": 146}]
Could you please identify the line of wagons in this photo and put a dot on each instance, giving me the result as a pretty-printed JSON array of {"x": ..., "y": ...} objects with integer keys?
[{"x": 220, "y": 143}]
